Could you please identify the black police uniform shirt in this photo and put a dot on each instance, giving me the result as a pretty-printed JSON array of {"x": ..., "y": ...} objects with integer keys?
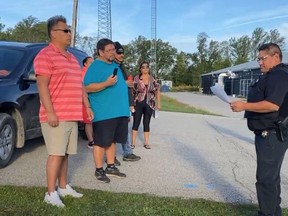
[{"x": 271, "y": 87}]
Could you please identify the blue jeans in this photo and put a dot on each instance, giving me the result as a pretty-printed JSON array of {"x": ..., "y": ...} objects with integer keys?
[{"x": 127, "y": 147}]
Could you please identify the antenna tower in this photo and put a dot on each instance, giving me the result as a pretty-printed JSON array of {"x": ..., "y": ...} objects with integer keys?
[
  {"x": 104, "y": 19},
  {"x": 153, "y": 38}
]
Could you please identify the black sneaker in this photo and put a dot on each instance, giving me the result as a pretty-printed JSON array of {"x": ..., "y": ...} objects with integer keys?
[
  {"x": 90, "y": 144},
  {"x": 116, "y": 162},
  {"x": 114, "y": 171},
  {"x": 101, "y": 176},
  {"x": 131, "y": 157}
]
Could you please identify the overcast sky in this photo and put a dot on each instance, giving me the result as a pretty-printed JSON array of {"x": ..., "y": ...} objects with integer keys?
[{"x": 178, "y": 21}]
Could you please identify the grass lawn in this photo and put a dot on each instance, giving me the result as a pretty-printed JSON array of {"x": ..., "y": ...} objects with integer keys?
[
  {"x": 172, "y": 105},
  {"x": 16, "y": 200},
  {"x": 29, "y": 201}
]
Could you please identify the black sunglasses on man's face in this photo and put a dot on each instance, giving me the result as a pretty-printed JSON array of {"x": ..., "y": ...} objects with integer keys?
[{"x": 64, "y": 30}]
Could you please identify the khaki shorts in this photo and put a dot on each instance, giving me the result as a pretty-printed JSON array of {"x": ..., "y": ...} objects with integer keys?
[{"x": 61, "y": 140}]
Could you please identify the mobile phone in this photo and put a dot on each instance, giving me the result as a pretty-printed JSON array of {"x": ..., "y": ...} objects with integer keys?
[{"x": 115, "y": 72}]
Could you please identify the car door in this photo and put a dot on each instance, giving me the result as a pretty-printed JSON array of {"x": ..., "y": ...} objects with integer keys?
[{"x": 29, "y": 100}]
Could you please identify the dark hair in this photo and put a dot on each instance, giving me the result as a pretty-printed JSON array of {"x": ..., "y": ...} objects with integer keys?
[
  {"x": 140, "y": 66},
  {"x": 271, "y": 48},
  {"x": 142, "y": 63},
  {"x": 53, "y": 21},
  {"x": 102, "y": 43},
  {"x": 85, "y": 60}
]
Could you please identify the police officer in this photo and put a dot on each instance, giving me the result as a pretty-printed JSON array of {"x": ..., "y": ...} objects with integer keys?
[{"x": 267, "y": 103}]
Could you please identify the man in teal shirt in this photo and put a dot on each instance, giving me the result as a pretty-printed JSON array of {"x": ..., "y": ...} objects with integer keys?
[{"x": 108, "y": 96}]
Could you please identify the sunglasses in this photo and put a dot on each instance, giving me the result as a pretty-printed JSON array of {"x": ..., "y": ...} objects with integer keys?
[
  {"x": 64, "y": 30},
  {"x": 119, "y": 53}
]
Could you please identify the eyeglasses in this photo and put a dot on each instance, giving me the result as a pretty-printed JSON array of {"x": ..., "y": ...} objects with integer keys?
[
  {"x": 262, "y": 58},
  {"x": 64, "y": 30},
  {"x": 109, "y": 50},
  {"x": 119, "y": 53}
]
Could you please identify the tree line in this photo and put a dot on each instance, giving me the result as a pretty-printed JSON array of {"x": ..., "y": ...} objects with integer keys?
[{"x": 180, "y": 67}]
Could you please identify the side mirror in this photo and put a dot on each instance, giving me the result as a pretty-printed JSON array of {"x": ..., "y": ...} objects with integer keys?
[{"x": 31, "y": 77}]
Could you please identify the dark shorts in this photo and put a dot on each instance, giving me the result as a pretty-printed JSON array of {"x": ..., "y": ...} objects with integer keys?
[{"x": 110, "y": 131}]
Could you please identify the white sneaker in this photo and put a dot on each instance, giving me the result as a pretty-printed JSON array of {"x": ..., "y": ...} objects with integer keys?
[
  {"x": 68, "y": 191},
  {"x": 53, "y": 199}
]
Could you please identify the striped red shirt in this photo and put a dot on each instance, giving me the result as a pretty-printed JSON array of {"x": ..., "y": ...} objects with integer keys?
[{"x": 65, "y": 84}]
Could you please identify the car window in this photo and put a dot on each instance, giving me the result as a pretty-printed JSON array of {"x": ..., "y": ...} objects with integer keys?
[{"x": 9, "y": 59}]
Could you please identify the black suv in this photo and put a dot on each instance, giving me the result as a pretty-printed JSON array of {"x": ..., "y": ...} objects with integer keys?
[{"x": 19, "y": 99}]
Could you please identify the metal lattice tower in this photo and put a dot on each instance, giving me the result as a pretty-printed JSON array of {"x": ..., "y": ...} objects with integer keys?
[
  {"x": 153, "y": 38},
  {"x": 104, "y": 19}
]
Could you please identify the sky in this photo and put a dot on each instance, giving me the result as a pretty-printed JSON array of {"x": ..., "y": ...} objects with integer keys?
[{"x": 178, "y": 21}]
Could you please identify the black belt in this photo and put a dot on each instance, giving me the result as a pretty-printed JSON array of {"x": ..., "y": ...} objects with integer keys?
[{"x": 264, "y": 133}]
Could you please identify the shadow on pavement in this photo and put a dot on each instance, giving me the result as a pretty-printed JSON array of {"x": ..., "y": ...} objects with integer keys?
[
  {"x": 30, "y": 146},
  {"x": 233, "y": 133},
  {"x": 209, "y": 172}
]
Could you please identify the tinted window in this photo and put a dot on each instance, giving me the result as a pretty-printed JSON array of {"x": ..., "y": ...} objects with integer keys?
[{"x": 9, "y": 59}]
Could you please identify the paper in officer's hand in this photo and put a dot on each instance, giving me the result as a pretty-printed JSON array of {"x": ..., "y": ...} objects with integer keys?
[{"x": 218, "y": 90}]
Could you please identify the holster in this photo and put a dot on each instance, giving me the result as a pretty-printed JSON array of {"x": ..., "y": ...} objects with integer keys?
[{"x": 283, "y": 129}]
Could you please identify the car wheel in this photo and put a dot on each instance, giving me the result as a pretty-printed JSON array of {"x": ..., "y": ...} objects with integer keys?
[{"x": 7, "y": 138}]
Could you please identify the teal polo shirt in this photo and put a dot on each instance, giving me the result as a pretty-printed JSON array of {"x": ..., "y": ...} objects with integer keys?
[{"x": 111, "y": 102}]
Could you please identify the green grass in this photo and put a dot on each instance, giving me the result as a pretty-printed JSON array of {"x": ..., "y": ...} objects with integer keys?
[
  {"x": 172, "y": 105},
  {"x": 29, "y": 201}
]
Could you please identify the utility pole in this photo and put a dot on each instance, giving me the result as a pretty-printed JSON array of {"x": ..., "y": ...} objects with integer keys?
[{"x": 74, "y": 23}]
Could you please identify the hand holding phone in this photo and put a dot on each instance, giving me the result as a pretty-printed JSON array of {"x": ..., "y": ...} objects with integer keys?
[{"x": 115, "y": 72}]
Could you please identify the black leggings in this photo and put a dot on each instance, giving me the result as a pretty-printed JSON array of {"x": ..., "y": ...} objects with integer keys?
[{"x": 142, "y": 108}]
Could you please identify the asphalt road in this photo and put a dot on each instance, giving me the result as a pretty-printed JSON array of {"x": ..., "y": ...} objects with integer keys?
[{"x": 192, "y": 156}]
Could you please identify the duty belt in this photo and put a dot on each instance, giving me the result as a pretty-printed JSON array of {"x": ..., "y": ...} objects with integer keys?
[{"x": 265, "y": 133}]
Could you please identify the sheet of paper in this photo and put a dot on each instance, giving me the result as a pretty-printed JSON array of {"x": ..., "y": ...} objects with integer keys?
[{"x": 218, "y": 90}]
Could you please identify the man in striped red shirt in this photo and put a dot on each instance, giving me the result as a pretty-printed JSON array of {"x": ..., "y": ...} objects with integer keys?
[{"x": 61, "y": 93}]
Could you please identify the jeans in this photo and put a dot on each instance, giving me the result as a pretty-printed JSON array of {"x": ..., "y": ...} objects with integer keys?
[
  {"x": 270, "y": 153},
  {"x": 127, "y": 150}
]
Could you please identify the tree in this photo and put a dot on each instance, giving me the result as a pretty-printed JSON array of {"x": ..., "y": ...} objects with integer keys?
[
  {"x": 3, "y": 34},
  {"x": 30, "y": 30},
  {"x": 27, "y": 30},
  {"x": 179, "y": 73},
  {"x": 136, "y": 52},
  {"x": 240, "y": 49},
  {"x": 166, "y": 55},
  {"x": 87, "y": 44},
  {"x": 259, "y": 36},
  {"x": 2, "y": 26},
  {"x": 139, "y": 50},
  {"x": 274, "y": 37}
]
